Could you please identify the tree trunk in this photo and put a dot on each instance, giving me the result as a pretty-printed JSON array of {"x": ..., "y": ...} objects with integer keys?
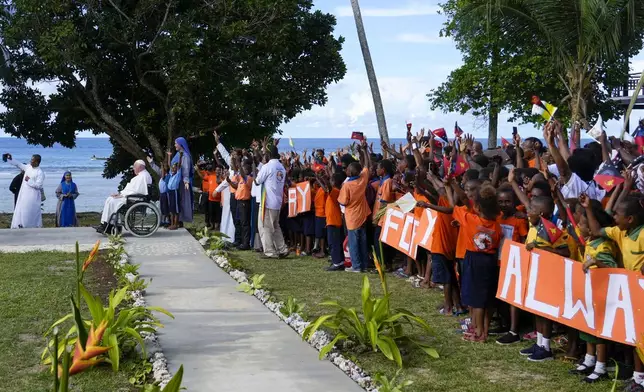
[
  {"x": 371, "y": 73},
  {"x": 493, "y": 124}
]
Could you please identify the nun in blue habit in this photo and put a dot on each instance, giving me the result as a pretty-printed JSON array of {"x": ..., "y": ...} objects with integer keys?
[
  {"x": 186, "y": 196},
  {"x": 66, "y": 193}
]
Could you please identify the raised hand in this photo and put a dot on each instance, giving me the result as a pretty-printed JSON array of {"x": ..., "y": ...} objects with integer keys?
[
  {"x": 517, "y": 139},
  {"x": 511, "y": 176},
  {"x": 584, "y": 200},
  {"x": 216, "y": 135}
]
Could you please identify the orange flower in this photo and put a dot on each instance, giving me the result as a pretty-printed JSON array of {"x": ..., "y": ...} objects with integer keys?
[
  {"x": 84, "y": 359},
  {"x": 92, "y": 255}
]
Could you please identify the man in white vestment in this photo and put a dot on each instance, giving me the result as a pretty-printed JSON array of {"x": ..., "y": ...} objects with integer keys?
[
  {"x": 137, "y": 186},
  {"x": 27, "y": 213}
]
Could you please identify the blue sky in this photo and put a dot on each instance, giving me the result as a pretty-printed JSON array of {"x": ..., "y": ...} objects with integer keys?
[{"x": 410, "y": 59}]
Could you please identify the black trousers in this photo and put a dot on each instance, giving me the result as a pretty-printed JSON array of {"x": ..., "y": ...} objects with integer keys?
[
  {"x": 234, "y": 211},
  {"x": 243, "y": 208}
]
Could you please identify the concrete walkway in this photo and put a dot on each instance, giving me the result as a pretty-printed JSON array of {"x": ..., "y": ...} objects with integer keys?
[{"x": 226, "y": 340}]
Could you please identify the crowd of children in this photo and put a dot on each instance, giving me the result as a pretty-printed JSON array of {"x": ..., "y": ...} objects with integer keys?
[{"x": 518, "y": 192}]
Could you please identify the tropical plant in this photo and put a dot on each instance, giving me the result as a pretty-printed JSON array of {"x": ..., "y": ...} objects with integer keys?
[
  {"x": 255, "y": 283},
  {"x": 291, "y": 306},
  {"x": 82, "y": 267},
  {"x": 173, "y": 386},
  {"x": 586, "y": 38},
  {"x": 377, "y": 327},
  {"x": 386, "y": 385},
  {"x": 123, "y": 329}
]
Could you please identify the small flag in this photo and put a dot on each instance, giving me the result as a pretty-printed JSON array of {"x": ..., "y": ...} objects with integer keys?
[
  {"x": 357, "y": 136},
  {"x": 638, "y": 136},
  {"x": 549, "y": 231},
  {"x": 608, "y": 177},
  {"x": 290, "y": 142},
  {"x": 440, "y": 134},
  {"x": 458, "y": 132},
  {"x": 460, "y": 166},
  {"x": 543, "y": 108},
  {"x": 262, "y": 204},
  {"x": 447, "y": 167},
  {"x": 504, "y": 143},
  {"x": 573, "y": 229},
  {"x": 597, "y": 129},
  {"x": 408, "y": 126}
]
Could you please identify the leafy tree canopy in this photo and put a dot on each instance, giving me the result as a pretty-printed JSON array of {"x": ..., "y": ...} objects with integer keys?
[
  {"x": 508, "y": 57},
  {"x": 147, "y": 71}
]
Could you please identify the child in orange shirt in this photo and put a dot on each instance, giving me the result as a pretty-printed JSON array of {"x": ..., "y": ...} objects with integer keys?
[
  {"x": 333, "y": 220},
  {"x": 385, "y": 195},
  {"x": 214, "y": 199},
  {"x": 242, "y": 184},
  {"x": 356, "y": 210},
  {"x": 482, "y": 234},
  {"x": 319, "y": 203},
  {"x": 515, "y": 229}
]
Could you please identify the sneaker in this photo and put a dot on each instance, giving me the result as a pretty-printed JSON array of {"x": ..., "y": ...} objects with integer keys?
[
  {"x": 303, "y": 254},
  {"x": 500, "y": 330},
  {"x": 444, "y": 312},
  {"x": 334, "y": 267},
  {"x": 529, "y": 350},
  {"x": 352, "y": 269},
  {"x": 540, "y": 355},
  {"x": 508, "y": 338},
  {"x": 284, "y": 255},
  {"x": 461, "y": 312},
  {"x": 267, "y": 257},
  {"x": 632, "y": 386},
  {"x": 595, "y": 377}
]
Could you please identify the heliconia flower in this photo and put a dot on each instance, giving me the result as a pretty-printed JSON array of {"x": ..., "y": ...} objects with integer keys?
[
  {"x": 92, "y": 255},
  {"x": 84, "y": 359}
]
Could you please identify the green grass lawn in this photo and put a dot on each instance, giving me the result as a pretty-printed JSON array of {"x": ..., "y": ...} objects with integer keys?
[
  {"x": 85, "y": 219},
  {"x": 463, "y": 366},
  {"x": 35, "y": 289}
]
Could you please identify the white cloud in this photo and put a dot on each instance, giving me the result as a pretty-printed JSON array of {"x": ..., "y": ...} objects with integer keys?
[
  {"x": 419, "y": 38},
  {"x": 411, "y": 9}
]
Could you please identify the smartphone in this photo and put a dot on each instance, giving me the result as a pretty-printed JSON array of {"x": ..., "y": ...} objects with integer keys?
[
  {"x": 5, "y": 157},
  {"x": 515, "y": 130},
  {"x": 357, "y": 136}
]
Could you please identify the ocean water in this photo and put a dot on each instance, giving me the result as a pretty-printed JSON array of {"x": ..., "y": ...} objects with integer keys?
[{"x": 87, "y": 173}]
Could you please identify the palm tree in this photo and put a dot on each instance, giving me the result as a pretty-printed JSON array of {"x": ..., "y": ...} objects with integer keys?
[
  {"x": 583, "y": 35},
  {"x": 371, "y": 73}
]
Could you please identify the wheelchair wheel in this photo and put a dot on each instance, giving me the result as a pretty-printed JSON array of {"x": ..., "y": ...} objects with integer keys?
[
  {"x": 116, "y": 230},
  {"x": 142, "y": 219}
]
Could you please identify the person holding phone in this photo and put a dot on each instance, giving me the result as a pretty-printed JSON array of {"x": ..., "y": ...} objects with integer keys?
[{"x": 27, "y": 213}]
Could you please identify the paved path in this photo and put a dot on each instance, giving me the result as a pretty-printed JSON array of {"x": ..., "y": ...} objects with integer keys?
[{"x": 226, "y": 340}]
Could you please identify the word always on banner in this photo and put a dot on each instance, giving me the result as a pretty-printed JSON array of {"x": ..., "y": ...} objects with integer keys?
[{"x": 605, "y": 302}]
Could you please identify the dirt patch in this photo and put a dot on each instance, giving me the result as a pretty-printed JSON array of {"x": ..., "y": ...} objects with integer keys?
[
  {"x": 495, "y": 372},
  {"x": 100, "y": 277}
]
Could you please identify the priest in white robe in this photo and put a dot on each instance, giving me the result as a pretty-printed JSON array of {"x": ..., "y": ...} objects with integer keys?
[
  {"x": 27, "y": 213},
  {"x": 137, "y": 186}
]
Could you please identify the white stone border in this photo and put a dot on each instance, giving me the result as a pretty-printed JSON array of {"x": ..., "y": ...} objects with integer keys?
[
  {"x": 318, "y": 340},
  {"x": 160, "y": 371}
]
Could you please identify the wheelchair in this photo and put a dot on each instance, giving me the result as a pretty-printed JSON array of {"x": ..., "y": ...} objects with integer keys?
[{"x": 139, "y": 215}]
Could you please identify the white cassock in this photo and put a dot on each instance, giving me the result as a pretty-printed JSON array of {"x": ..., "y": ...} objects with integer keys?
[
  {"x": 226, "y": 225},
  {"x": 27, "y": 213},
  {"x": 137, "y": 186}
]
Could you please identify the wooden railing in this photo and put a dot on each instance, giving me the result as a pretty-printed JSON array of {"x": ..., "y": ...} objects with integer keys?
[{"x": 628, "y": 89}]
